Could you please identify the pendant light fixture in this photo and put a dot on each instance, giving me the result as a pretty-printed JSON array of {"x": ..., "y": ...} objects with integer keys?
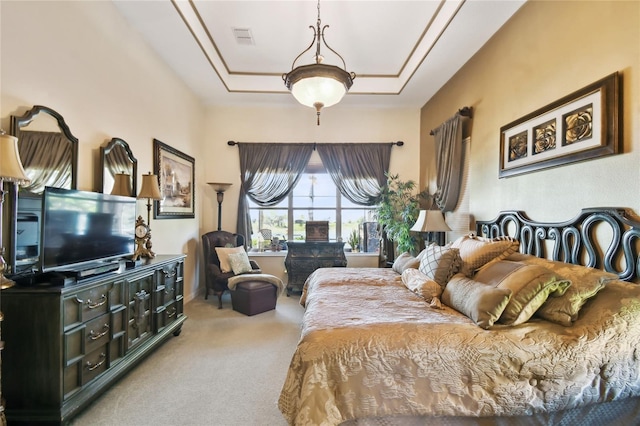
[{"x": 318, "y": 85}]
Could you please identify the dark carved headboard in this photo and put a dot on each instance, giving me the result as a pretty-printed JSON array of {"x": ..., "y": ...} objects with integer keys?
[{"x": 602, "y": 237}]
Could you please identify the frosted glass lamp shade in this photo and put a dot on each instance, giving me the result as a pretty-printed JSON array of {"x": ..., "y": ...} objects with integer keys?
[{"x": 220, "y": 187}]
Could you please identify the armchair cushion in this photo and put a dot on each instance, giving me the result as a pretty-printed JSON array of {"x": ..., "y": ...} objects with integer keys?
[
  {"x": 223, "y": 255},
  {"x": 240, "y": 263}
]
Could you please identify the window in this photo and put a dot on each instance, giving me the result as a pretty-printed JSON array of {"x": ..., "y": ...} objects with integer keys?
[{"x": 315, "y": 197}]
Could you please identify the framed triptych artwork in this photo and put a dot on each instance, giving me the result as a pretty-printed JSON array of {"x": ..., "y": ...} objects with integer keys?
[{"x": 581, "y": 126}]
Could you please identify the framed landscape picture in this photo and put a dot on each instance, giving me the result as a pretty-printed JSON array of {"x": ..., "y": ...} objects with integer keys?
[
  {"x": 176, "y": 175},
  {"x": 581, "y": 126}
]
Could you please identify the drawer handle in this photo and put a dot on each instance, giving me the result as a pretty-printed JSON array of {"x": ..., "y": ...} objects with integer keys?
[
  {"x": 89, "y": 366},
  {"x": 171, "y": 312},
  {"x": 92, "y": 305},
  {"x": 95, "y": 336},
  {"x": 169, "y": 274}
]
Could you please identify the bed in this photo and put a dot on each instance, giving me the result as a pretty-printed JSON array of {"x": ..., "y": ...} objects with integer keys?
[{"x": 540, "y": 326}]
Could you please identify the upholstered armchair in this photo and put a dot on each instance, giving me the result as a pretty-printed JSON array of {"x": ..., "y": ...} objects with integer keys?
[{"x": 215, "y": 279}]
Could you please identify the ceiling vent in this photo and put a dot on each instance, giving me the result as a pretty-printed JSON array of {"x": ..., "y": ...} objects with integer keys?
[{"x": 243, "y": 36}]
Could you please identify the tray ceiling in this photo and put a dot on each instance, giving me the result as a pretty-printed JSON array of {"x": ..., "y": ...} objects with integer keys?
[{"x": 235, "y": 52}]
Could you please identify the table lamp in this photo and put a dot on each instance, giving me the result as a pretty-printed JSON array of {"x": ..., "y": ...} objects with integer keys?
[
  {"x": 122, "y": 185},
  {"x": 151, "y": 191},
  {"x": 10, "y": 171},
  {"x": 430, "y": 221}
]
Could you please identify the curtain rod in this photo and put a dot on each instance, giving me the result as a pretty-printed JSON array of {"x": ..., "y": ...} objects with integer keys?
[
  {"x": 464, "y": 112},
  {"x": 399, "y": 143}
]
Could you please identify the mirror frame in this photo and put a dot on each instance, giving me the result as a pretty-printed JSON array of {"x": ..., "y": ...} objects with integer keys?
[
  {"x": 18, "y": 122},
  {"x": 105, "y": 150},
  {"x": 11, "y": 204}
]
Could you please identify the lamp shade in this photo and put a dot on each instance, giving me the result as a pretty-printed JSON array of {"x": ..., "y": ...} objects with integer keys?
[
  {"x": 10, "y": 165},
  {"x": 122, "y": 185},
  {"x": 219, "y": 187},
  {"x": 318, "y": 84},
  {"x": 150, "y": 187},
  {"x": 430, "y": 221}
]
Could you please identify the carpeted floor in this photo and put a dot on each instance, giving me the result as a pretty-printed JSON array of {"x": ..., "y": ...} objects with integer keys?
[{"x": 225, "y": 369}]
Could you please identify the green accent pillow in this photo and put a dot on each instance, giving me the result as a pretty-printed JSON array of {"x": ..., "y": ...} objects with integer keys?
[
  {"x": 531, "y": 285},
  {"x": 240, "y": 263},
  {"x": 481, "y": 302}
]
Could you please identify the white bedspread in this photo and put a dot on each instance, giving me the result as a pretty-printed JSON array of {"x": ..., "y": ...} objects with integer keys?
[{"x": 369, "y": 348}]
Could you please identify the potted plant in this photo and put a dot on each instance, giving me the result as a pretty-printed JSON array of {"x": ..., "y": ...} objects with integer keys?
[
  {"x": 398, "y": 210},
  {"x": 354, "y": 241}
]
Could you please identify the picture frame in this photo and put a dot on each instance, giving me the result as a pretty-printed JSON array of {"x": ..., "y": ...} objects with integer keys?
[
  {"x": 176, "y": 176},
  {"x": 581, "y": 126}
]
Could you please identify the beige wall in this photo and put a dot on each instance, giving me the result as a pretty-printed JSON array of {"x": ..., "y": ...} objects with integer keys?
[
  {"x": 546, "y": 51},
  {"x": 298, "y": 124},
  {"x": 82, "y": 60}
]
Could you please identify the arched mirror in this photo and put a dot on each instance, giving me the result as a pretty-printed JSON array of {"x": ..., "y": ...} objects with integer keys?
[
  {"x": 49, "y": 154},
  {"x": 48, "y": 150},
  {"x": 116, "y": 163}
]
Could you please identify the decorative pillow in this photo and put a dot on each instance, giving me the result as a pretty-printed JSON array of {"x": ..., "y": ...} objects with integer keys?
[
  {"x": 440, "y": 263},
  {"x": 421, "y": 285},
  {"x": 530, "y": 285},
  {"x": 478, "y": 251},
  {"x": 405, "y": 261},
  {"x": 240, "y": 263},
  {"x": 585, "y": 284},
  {"x": 223, "y": 255},
  {"x": 481, "y": 302}
]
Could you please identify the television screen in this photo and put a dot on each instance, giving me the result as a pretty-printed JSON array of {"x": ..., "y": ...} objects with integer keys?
[{"x": 81, "y": 228}]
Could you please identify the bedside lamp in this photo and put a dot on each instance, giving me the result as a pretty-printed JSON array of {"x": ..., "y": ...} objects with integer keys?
[
  {"x": 430, "y": 221},
  {"x": 10, "y": 171},
  {"x": 220, "y": 188}
]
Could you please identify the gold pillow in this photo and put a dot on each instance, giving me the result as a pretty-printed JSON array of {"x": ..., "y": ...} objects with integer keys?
[
  {"x": 223, "y": 256},
  {"x": 478, "y": 251},
  {"x": 482, "y": 303},
  {"x": 421, "y": 285},
  {"x": 405, "y": 261},
  {"x": 531, "y": 285},
  {"x": 585, "y": 283}
]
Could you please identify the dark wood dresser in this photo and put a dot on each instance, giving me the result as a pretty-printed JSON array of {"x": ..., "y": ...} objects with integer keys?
[
  {"x": 65, "y": 345},
  {"x": 304, "y": 258}
]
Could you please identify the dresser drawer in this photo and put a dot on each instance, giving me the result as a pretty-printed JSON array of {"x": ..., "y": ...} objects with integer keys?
[
  {"x": 170, "y": 274},
  {"x": 91, "y": 303},
  {"x": 94, "y": 364},
  {"x": 97, "y": 333}
]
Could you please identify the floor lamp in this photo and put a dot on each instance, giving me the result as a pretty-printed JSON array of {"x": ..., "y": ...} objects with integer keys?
[
  {"x": 220, "y": 188},
  {"x": 430, "y": 221},
  {"x": 10, "y": 171}
]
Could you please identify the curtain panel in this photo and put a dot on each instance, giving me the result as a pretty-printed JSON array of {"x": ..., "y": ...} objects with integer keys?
[
  {"x": 358, "y": 169},
  {"x": 448, "y": 139},
  {"x": 268, "y": 173}
]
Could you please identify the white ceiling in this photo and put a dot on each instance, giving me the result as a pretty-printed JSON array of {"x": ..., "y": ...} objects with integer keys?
[{"x": 402, "y": 51}]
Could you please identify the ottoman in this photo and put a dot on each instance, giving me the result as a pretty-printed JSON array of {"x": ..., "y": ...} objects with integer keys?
[{"x": 254, "y": 297}]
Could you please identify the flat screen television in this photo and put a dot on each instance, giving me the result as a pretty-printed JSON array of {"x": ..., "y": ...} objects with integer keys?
[{"x": 82, "y": 229}]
